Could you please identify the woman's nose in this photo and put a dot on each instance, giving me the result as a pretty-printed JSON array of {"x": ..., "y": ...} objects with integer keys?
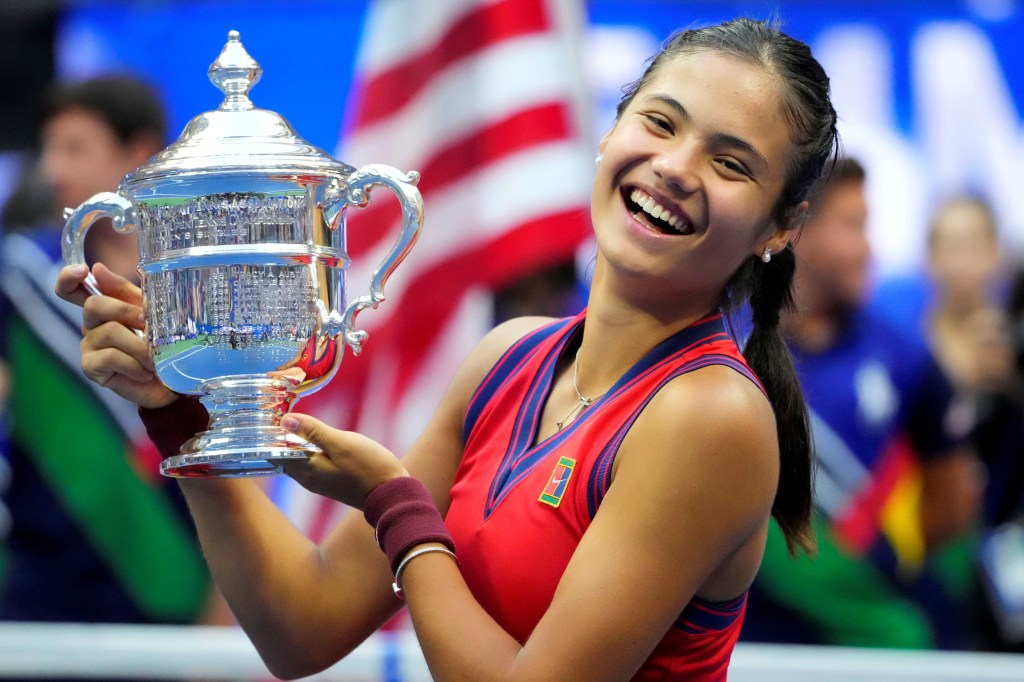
[{"x": 679, "y": 167}]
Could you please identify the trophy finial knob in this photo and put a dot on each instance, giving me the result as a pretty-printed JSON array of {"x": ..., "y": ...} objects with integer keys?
[{"x": 234, "y": 72}]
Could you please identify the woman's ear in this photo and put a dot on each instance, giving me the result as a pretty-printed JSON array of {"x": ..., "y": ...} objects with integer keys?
[
  {"x": 792, "y": 221},
  {"x": 777, "y": 242}
]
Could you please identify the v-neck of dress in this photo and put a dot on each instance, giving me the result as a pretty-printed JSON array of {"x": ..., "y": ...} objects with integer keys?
[{"x": 525, "y": 452}]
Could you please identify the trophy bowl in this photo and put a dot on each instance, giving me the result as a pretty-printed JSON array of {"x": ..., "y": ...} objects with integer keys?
[{"x": 242, "y": 258}]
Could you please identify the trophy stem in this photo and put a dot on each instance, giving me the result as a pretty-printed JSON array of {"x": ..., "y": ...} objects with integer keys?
[{"x": 245, "y": 437}]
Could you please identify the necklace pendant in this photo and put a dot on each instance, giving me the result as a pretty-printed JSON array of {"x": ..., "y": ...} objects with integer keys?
[
  {"x": 584, "y": 402},
  {"x": 580, "y": 406}
]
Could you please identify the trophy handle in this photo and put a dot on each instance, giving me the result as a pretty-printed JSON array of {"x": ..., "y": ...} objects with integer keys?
[
  {"x": 357, "y": 193},
  {"x": 122, "y": 213}
]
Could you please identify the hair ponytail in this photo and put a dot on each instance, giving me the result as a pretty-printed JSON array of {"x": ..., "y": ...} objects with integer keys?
[{"x": 769, "y": 286}]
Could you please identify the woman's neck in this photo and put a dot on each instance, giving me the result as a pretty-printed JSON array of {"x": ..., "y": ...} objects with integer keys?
[{"x": 623, "y": 324}]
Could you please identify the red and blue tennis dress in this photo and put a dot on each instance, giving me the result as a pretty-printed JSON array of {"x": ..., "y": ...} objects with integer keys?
[{"x": 519, "y": 508}]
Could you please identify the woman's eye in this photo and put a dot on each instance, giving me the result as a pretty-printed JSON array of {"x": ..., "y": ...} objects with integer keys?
[
  {"x": 734, "y": 166},
  {"x": 660, "y": 122}
]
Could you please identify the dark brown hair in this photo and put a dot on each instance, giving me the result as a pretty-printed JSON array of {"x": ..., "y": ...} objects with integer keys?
[{"x": 129, "y": 106}]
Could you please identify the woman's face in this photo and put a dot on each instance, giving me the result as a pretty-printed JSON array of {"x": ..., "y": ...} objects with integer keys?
[{"x": 690, "y": 174}]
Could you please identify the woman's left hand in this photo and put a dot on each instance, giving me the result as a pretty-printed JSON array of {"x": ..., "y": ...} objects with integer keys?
[{"x": 348, "y": 469}]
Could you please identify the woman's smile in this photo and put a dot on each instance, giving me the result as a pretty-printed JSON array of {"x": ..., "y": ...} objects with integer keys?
[{"x": 654, "y": 214}]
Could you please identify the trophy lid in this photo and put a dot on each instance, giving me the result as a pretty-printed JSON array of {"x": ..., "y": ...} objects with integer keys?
[{"x": 237, "y": 136}]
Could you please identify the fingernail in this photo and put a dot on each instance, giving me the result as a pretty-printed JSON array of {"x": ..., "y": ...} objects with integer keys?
[
  {"x": 79, "y": 270},
  {"x": 289, "y": 423}
]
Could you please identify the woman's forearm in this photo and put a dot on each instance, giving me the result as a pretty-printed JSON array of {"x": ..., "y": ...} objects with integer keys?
[{"x": 302, "y": 605}]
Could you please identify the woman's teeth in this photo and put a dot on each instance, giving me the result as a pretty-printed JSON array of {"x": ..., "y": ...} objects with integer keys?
[{"x": 658, "y": 212}]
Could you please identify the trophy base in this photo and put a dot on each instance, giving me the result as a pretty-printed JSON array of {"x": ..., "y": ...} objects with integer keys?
[
  {"x": 245, "y": 437},
  {"x": 231, "y": 463}
]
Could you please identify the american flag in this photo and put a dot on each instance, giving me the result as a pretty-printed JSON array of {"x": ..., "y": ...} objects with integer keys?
[{"x": 485, "y": 98}]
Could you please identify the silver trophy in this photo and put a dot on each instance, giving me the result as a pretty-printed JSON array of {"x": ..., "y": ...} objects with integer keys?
[{"x": 241, "y": 230}]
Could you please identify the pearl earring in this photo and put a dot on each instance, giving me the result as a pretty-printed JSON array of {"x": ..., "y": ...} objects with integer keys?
[
  {"x": 597, "y": 159},
  {"x": 766, "y": 257}
]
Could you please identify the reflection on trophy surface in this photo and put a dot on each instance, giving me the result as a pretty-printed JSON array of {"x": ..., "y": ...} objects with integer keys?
[{"x": 242, "y": 254}]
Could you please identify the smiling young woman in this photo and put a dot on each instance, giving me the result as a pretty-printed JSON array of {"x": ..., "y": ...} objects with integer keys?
[{"x": 603, "y": 482}]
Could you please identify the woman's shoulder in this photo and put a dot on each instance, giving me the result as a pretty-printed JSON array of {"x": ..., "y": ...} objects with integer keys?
[
  {"x": 704, "y": 451},
  {"x": 716, "y": 394},
  {"x": 714, "y": 412}
]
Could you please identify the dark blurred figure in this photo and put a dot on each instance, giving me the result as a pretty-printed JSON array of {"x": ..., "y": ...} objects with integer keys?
[
  {"x": 998, "y": 401},
  {"x": 97, "y": 535},
  {"x": 896, "y": 484},
  {"x": 27, "y": 32}
]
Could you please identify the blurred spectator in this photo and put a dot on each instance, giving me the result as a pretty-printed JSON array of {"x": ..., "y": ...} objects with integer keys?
[
  {"x": 894, "y": 481},
  {"x": 96, "y": 535},
  {"x": 969, "y": 332}
]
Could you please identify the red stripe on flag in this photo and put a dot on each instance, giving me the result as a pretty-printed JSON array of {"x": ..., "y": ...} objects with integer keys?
[
  {"x": 481, "y": 147},
  {"x": 481, "y": 28},
  {"x": 521, "y": 130}
]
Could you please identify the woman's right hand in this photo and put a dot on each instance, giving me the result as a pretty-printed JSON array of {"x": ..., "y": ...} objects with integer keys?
[{"x": 113, "y": 354}]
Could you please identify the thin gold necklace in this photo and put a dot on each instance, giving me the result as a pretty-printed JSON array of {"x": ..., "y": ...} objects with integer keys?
[{"x": 584, "y": 402}]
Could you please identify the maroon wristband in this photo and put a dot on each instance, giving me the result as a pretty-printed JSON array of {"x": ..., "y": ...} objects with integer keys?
[
  {"x": 404, "y": 515},
  {"x": 170, "y": 426}
]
